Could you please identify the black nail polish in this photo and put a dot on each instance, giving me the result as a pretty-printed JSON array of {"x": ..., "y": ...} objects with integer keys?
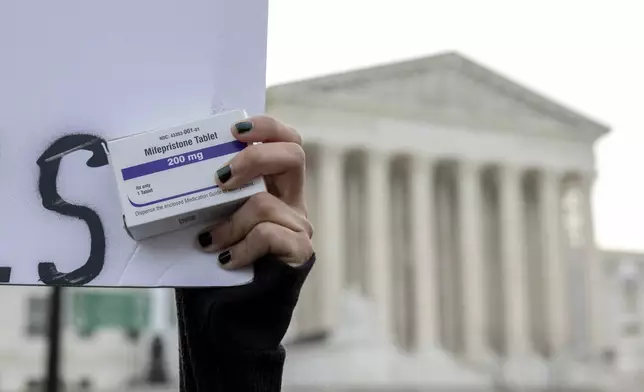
[
  {"x": 205, "y": 239},
  {"x": 244, "y": 126},
  {"x": 224, "y": 174},
  {"x": 224, "y": 257}
]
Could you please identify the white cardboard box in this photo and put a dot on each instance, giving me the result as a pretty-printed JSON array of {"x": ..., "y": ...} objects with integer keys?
[{"x": 166, "y": 178}]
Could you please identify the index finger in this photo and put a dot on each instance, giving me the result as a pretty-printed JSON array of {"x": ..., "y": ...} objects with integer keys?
[{"x": 265, "y": 129}]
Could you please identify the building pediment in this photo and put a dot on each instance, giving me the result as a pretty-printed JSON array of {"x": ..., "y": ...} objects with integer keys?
[{"x": 444, "y": 89}]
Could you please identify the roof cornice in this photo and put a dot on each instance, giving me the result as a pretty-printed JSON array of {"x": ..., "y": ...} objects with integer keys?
[{"x": 312, "y": 90}]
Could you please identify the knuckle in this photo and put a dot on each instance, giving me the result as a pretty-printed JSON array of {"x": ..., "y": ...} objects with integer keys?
[
  {"x": 262, "y": 233},
  {"x": 252, "y": 205},
  {"x": 298, "y": 153},
  {"x": 269, "y": 122},
  {"x": 262, "y": 205},
  {"x": 278, "y": 127},
  {"x": 252, "y": 155},
  {"x": 254, "y": 202},
  {"x": 273, "y": 126},
  {"x": 260, "y": 118},
  {"x": 265, "y": 198},
  {"x": 273, "y": 123},
  {"x": 296, "y": 135},
  {"x": 310, "y": 230}
]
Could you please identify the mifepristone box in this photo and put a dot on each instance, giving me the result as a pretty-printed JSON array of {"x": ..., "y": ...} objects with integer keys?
[{"x": 166, "y": 178}]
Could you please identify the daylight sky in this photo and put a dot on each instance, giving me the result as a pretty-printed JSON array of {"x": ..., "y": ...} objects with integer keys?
[{"x": 588, "y": 55}]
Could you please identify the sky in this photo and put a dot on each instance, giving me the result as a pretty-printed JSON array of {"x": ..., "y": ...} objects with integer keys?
[{"x": 588, "y": 55}]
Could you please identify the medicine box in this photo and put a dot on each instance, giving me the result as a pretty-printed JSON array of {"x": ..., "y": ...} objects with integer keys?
[{"x": 166, "y": 177}]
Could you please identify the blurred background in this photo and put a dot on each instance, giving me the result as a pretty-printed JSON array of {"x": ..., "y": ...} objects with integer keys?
[{"x": 474, "y": 182}]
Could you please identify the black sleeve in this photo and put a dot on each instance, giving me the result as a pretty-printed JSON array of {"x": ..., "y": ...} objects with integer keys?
[{"x": 229, "y": 338}]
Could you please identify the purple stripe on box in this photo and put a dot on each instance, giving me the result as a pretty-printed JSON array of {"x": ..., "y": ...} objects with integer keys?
[{"x": 186, "y": 158}]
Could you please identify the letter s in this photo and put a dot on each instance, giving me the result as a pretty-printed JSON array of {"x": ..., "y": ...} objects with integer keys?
[{"x": 49, "y": 163}]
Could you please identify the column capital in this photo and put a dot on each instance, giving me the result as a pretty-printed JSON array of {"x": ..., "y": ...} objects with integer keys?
[
  {"x": 468, "y": 162},
  {"x": 468, "y": 166},
  {"x": 552, "y": 174},
  {"x": 421, "y": 162},
  {"x": 419, "y": 158},
  {"x": 330, "y": 150},
  {"x": 384, "y": 155},
  {"x": 511, "y": 170}
]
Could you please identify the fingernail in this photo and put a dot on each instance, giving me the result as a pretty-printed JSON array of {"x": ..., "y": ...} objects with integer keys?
[
  {"x": 224, "y": 257},
  {"x": 243, "y": 126},
  {"x": 205, "y": 239},
  {"x": 224, "y": 174}
]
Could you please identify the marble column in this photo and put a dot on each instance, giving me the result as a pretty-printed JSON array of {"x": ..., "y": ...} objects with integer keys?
[
  {"x": 329, "y": 230},
  {"x": 424, "y": 254},
  {"x": 594, "y": 284},
  {"x": 379, "y": 257},
  {"x": 522, "y": 365},
  {"x": 556, "y": 293},
  {"x": 471, "y": 251},
  {"x": 513, "y": 255},
  {"x": 449, "y": 285}
]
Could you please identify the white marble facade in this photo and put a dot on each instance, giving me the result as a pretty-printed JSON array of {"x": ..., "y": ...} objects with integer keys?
[{"x": 457, "y": 204}]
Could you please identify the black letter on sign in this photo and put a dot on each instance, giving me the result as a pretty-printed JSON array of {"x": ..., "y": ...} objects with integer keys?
[
  {"x": 49, "y": 163},
  {"x": 5, "y": 274}
]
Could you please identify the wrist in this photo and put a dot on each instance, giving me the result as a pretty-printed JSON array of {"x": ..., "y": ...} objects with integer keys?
[{"x": 257, "y": 316}]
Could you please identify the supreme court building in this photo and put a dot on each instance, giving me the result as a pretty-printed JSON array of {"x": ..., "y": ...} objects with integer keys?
[
  {"x": 455, "y": 248},
  {"x": 454, "y": 230}
]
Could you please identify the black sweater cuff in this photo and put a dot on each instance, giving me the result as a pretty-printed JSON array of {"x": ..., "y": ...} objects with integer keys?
[{"x": 230, "y": 338}]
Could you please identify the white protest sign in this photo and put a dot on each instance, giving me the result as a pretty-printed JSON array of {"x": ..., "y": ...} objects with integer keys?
[{"x": 75, "y": 73}]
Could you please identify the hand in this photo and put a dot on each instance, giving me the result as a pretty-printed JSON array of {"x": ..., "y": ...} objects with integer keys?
[{"x": 273, "y": 222}]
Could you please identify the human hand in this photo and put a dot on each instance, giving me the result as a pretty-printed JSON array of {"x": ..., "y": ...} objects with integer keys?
[
  {"x": 273, "y": 222},
  {"x": 243, "y": 326}
]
